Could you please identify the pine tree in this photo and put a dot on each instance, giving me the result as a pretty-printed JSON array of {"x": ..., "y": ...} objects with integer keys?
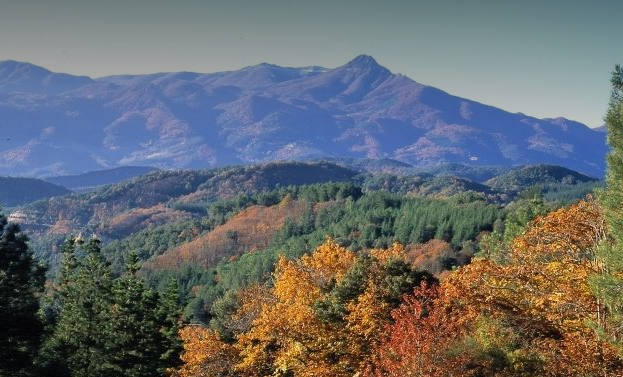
[
  {"x": 612, "y": 200},
  {"x": 21, "y": 282},
  {"x": 109, "y": 327},
  {"x": 169, "y": 313},
  {"x": 609, "y": 284},
  {"x": 80, "y": 343},
  {"x": 135, "y": 338}
]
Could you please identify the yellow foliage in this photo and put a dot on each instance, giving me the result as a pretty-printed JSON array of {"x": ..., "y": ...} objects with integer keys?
[
  {"x": 329, "y": 261},
  {"x": 542, "y": 290},
  {"x": 205, "y": 355},
  {"x": 395, "y": 252},
  {"x": 287, "y": 337}
]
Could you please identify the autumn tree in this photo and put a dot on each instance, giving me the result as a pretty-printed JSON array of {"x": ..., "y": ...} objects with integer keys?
[
  {"x": 321, "y": 315},
  {"x": 542, "y": 292},
  {"x": 205, "y": 354},
  {"x": 418, "y": 340},
  {"x": 327, "y": 311},
  {"x": 527, "y": 315},
  {"x": 287, "y": 337}
]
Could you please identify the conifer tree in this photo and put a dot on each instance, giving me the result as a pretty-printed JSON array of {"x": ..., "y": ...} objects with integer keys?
[
  {"x": 109, "y": 327},
  {"x": 80, "y": 343},
  {"x": 135, "y": 342},
  {"x": 609, "y": 284},
  {"x": 169, "y": 313},
  {"x": 21, "y": 282},
  {"x": 612, "y": 199}
]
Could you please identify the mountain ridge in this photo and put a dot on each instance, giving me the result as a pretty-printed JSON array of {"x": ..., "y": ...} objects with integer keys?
[{"x": 265, "y": 113}]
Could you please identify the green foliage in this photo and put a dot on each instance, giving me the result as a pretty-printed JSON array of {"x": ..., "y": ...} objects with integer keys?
[
  {"x": 376, "y": 219},
  {"x": 333, "y": 307},
  {"x": 613, "y": 194},
  {"x": 21, "y": 283},
  {"x": 395, "y": 279},
  {"x": 497, "y": 244},
  {"x": 568, "y": 194},
  {"x": 152, "y": 241},
  {"x": 80, "y": 345},
  {"x": 222, "y": 311},
  {"x": 399, "y": 278},
  {"x": 168, "y": 313},
  {"x": 524, "y": 177},
  {"x": 473, "y": 173},
  {"x": 106, "y": 326},
  {"x": 608, "y": 285},
  {"x": 138, "y": 342}
]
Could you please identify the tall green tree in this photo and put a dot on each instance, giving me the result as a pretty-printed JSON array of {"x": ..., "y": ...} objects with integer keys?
[
  {"x": 80, "y": 344},
  {"x": 136, "y": 339},
  {"x": 169, "y": 312},
  {"x": 109, "y": 327},
  {"x": 21, "y": 283},
  {"x": 612, "y": 197},
  {"x": 608, "y": 285}
]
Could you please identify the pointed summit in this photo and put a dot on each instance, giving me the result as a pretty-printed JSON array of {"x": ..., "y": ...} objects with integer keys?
[{"x": 363, "y": 61}]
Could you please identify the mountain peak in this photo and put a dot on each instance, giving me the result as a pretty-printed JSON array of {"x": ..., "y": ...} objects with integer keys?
[
  {"x": 268, "y": 113},
  {"x": 363, "y": 61}
]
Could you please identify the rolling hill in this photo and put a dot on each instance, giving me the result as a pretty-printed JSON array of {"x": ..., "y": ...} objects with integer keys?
[
  {"x": 20, "y": 191},
  {"x": 93, "y": 179}
]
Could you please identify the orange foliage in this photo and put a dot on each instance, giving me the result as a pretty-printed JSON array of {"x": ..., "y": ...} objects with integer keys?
[
  {"x": 254, "y": 228},
  {"x": 430, "y": 255},
  {"x": 396, "y": 251},
  {"x": 137, "y": 219},
  {"x": 532, "y": 315},
  {"x": 546, "y": 277},
  {"x": 417, "y": 342},
  {"x": 205, "y": 355}
]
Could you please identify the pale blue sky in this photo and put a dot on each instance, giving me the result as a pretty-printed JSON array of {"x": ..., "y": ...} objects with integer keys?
[{"x": 544, "y": 58}]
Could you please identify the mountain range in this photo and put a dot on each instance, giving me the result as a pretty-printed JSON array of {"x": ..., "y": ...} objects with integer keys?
[{"x": 58, "y": 124}]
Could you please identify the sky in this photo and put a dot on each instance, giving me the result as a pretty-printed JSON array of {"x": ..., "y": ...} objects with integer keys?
[{"x": 546, "y": 58}]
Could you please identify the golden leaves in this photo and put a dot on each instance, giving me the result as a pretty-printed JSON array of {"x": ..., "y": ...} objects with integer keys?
[{"x": 205, "y": 355}]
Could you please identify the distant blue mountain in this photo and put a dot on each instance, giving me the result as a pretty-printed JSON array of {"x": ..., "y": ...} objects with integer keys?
[
  {"x": 19, "y": 191},
  {"x": 56, "y": 124},
  {"x": 93, "y": 179}
]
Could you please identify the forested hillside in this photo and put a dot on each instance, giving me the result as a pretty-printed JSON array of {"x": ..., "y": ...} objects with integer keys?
[
  {"x": 540, "y": 296},
  {"x": 316, "y": 269}
]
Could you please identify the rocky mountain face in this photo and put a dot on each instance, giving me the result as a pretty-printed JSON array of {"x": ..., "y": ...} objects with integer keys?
[{"x": 55, "y": 124}]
